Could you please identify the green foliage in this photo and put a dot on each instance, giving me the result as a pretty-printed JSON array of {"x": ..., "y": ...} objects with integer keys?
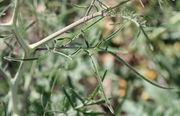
[{"x": 73, "y": 74}]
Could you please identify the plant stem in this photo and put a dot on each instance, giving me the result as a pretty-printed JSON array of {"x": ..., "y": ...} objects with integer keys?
[
  {"x": 15, "y": 29},
  {"x": 13, "y": 99},
  {"x": 102, "y": 13},
  {"x": 90, "y": 7},
  {"x": 13, "y": 107},
  {"x": 20, "y": 40},
  {"x": 65, "y": 29}
]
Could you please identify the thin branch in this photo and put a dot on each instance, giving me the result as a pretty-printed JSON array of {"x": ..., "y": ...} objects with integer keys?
[
  {"x": 12, "y": 24},
  {"x": 101, "y": 85},
  {"x": 19, "y": 39},
  {"x": 90, "y": 7},
  {"x": 80, "y": 21},
  {"x": 65, "y": 29},
  {"x": 16, "y": 11},
  {"x": 64, "y": 47},
  {"x": 15, "y": 29},
  {"x": 141, "y": 2}
]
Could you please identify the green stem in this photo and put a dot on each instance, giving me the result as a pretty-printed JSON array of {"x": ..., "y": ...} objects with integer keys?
[
  {"x": 13, "y": 107},
  {"x": 102, "y": 13},
  {"x": 15, "y": 29},
  {"x": 20, "y": 39}
]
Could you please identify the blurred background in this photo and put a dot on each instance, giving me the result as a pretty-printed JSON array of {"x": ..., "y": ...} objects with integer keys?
[{"x": 41, "y": 90}]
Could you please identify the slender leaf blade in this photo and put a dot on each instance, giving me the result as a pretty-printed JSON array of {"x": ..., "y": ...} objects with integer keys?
[
  {"x": 133, "y": 70},
  {"x": 101, "y": 86}
]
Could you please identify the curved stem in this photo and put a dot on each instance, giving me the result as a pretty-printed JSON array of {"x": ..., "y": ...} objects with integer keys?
[
  {"x": 15, "y": 29},
  {"x": 20, "y": 40}
]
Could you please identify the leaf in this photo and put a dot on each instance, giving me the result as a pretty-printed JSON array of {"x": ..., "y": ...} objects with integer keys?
[
  {"x": 101, "y": 101},
  {"x": 101, "y": 86},
  {"x": 96, "y": 90},
  {"x": 62, "y": 54},
  {"x": 88, "y": 27},
  {"x": 71, "y": 85},
  {"x": 133, "y": 70},
  {"x": 66, "y": 38},
  {"x": 136, "y": 38},
  {"x": 79, "y": 6},
  {"x": 147, "y": 38},
  {"x": 77, "y": 95},
  {"x": 87, "y": 43},
  {"x": 30, "y": 25},
  {"x": 68, "y": 97},
  {"x": 110, "y": 36},
  {"x": 10, "y": 59},
  {"x": 77, "y": 51},
  {"x": 19, "y": 59},
  {"x": 119, "y": 4}
]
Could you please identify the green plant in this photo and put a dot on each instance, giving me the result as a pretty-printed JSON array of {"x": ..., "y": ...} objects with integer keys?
[{"x": 30, "y": 55}]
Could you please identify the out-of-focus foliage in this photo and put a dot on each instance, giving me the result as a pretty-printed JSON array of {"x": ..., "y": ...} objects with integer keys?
[{"x": 59, "y": 85}]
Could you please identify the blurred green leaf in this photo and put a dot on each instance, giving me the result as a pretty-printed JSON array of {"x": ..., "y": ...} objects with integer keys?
[
  {"x": 101, "y": 85},
  {"x": 68, "y": 97},
  {"x": 75, "y": 94},
  {"x": 96, "y": 90},
  {"x": 132, "y": 69}
]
